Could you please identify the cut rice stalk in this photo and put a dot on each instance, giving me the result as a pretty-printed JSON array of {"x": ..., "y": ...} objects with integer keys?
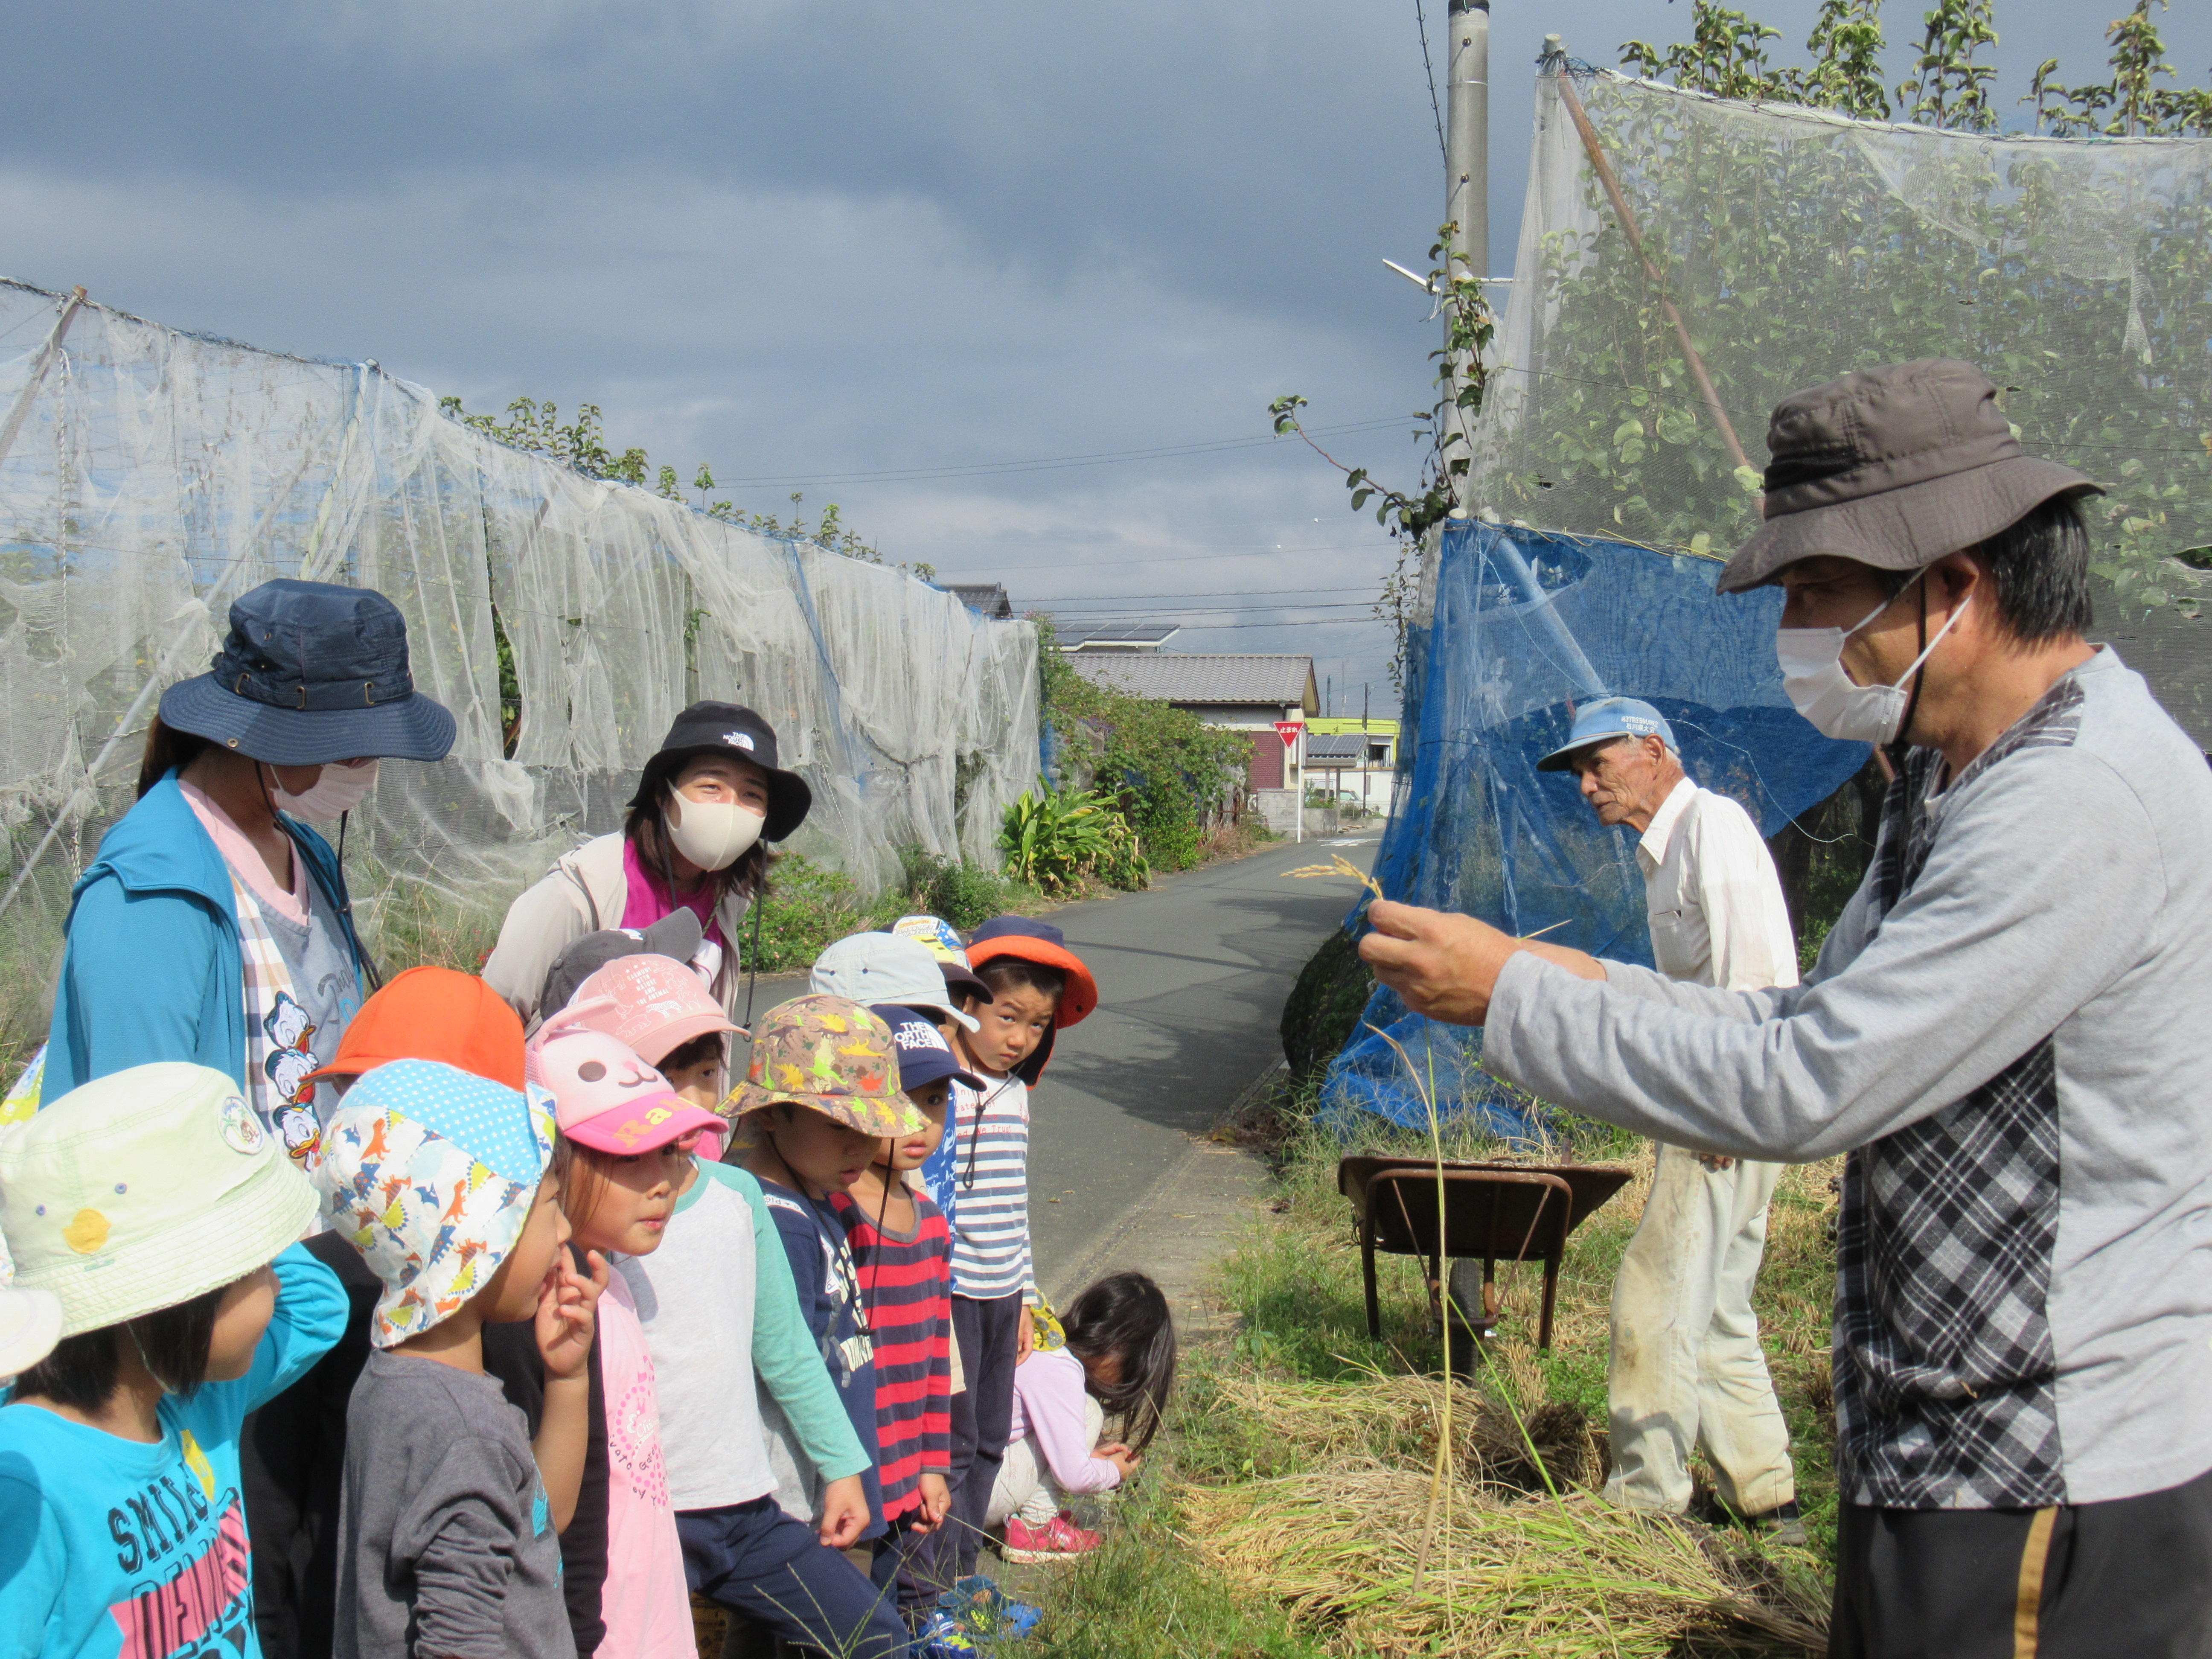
[{"x": 1552, "y": 1576}]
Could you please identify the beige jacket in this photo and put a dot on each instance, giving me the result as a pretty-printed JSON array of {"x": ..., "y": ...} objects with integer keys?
[{"x": 584, "y": 892}]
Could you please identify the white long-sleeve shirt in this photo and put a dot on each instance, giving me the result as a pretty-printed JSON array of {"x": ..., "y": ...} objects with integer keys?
[{"x": 1712, "y": 895}]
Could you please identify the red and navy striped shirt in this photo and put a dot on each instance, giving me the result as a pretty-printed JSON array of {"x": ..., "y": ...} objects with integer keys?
[{"x": 906, "y": 1287}]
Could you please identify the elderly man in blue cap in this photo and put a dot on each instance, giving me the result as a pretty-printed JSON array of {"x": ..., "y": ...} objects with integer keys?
[{"x": 1687, "y": 1370}]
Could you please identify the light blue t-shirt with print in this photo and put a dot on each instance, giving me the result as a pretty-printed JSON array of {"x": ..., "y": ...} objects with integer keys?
[
  {"x": 117, "y": 1549},
  {"x": 939, "y": 1169}
]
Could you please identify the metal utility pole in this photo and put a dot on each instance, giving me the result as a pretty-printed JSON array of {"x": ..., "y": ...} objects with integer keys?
[
  {"x": 1467, "y": 168},
  {"x": 1469, "y": 1317}
]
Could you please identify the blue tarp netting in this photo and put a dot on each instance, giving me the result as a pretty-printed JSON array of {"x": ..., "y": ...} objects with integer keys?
[{"x": 1525, "y": 626}]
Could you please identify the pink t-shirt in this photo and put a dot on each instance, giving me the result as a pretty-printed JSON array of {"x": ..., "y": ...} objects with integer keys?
[
  {"x": 246, "y": 861},
  {"x": 649, "y": 899},
  {"x": 645, "y": 1601}
]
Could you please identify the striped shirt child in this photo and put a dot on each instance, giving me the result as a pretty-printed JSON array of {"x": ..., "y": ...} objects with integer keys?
[
  {"x": 991, "y": 1173},
  {"x": 906, "y": 1286}
]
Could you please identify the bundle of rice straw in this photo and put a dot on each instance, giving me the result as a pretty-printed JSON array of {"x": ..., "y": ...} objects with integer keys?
[
  {"x": 1555, "y": 1576},
  {"x": 1396, "y": 1419}
]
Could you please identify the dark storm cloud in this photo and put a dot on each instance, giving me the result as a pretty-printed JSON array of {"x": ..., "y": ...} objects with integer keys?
[{"x": 805, "y": 239}]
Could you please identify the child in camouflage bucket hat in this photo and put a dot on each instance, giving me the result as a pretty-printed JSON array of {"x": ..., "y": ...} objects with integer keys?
[
  {"x": 830, "y": 1056},
  {"x": 820, "y": 1097}
]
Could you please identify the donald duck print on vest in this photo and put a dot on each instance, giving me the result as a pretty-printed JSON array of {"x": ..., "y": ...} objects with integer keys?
[
  {"x": 277, "y": 1059},
  {"x": 286, "y": 1066}
]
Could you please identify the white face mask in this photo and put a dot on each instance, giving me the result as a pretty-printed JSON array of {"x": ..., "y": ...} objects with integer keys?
[
  {"x": 713, "y": 834},
  {"x": 336, "y": 793},
  {"x": 1812, "y": 674}
]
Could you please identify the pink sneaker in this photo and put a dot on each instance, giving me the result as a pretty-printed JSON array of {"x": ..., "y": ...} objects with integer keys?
[{"x": 1059, "y": 1539}]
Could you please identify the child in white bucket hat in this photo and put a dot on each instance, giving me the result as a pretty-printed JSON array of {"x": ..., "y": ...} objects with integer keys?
[{"x": 150, "y": 1205}]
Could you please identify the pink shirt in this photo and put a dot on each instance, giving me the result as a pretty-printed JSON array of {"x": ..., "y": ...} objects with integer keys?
[
  {"x": 649, "y": 900},
  {"x": 246, "y": 861},
  {"x": 645, "y": 1600},
  {"x": 1048, "y": 1403}
]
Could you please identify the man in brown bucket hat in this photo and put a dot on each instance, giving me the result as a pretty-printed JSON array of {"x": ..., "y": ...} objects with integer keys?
[{"x": 2008, "y": 1032}]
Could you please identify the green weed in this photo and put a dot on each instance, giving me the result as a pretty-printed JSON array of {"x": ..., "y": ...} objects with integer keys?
[{"x": 1142, "y": 1595}]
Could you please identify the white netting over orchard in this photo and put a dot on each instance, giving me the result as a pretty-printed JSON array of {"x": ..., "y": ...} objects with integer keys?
[
  {"x": 154, "y": 476},
  {"x": 1797, "y": 245}
]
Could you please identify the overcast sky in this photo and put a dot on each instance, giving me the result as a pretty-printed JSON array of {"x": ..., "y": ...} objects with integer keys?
[{"x": 802, "y": 242}]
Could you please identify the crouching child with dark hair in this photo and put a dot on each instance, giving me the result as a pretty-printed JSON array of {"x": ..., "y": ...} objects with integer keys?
[{"x": 1114, "y": 1358}]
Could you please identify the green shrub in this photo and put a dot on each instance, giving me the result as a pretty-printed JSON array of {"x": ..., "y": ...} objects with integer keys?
[
  {"x": 808, "y": 906},
  {"x": 1055, "y": 840},
  {"x": 966, "y": 895},
  {"x": 1322, "y": 1011}
]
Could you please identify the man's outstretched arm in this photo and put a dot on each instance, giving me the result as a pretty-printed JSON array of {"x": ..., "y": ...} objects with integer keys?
[{"x": 1444, "y": 965}]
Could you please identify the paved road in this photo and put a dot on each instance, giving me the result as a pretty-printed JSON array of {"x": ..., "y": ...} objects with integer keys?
[{"x": 1192, "y": 976}]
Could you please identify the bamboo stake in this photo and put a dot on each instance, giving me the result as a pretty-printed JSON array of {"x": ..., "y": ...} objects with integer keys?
[
  {"x": 1605, "y": 176},
  {"x": 39, "y": 365}
]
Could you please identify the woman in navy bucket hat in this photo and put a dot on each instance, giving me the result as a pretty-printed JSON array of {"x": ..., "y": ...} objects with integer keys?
[
  {"x": 214, "y": 925},
  {"x": 695, "y": 837}
]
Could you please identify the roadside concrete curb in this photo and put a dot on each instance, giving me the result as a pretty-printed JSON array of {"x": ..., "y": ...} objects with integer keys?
[{"x": 1181, "y": 1226}]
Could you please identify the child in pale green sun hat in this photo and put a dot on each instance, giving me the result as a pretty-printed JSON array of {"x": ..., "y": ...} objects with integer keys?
[{"x": 161, "y": 1216}]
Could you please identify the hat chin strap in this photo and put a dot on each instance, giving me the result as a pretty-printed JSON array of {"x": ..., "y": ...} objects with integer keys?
[{"x": 131, "y": 1326}]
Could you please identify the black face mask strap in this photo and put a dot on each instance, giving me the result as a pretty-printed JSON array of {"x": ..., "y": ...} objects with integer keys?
[
  {"x": 752, "y": 978},
  {"x": 1898, "y": 744}
]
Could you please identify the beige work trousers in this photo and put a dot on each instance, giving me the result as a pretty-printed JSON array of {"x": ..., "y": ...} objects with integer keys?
[{"x": 1687, "y": 1370}]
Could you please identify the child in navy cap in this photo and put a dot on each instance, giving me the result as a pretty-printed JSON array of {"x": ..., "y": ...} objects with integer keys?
[{"x": 903, "y": 1250}]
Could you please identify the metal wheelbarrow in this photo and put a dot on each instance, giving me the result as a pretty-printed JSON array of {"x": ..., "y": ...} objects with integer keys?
[{"x": 1491, "y": 1212}]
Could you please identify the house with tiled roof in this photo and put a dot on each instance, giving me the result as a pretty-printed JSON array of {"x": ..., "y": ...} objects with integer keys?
[{"x": 1245, "y": 693}]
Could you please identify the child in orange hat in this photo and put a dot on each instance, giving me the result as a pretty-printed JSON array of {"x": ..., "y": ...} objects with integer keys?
[
  {"x": 1037, "y": 987},
  {"x": 292, "y": 1454}
]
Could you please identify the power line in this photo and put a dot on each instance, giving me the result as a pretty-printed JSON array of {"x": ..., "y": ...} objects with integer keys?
[
  {"x": 992, "y": 469},
  {"x": 944, "y": 577},
  {"x": 1317, "y": 621},
  {"x": 1201, "y": 594},
  {"x": 1102, "y": 613}
]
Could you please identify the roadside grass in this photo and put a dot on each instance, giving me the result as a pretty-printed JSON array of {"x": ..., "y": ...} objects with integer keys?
[{"x": 1297, "y": 1489}]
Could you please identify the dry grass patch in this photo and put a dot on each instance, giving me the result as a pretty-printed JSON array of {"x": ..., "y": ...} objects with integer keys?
[
  {"x": 1307, "y": 1459},
  {"x": 1342, "y": 1548}
]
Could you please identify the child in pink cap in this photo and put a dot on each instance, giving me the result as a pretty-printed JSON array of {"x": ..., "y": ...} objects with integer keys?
[
  {"x": 660, "y": 1007},
  {"x": 623, "y": 1154}
]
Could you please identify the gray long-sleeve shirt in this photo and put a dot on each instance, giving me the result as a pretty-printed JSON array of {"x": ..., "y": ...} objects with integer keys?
[
  {"x": 2010, "y": 1029},
  {"x": 448, "y": 1547}
]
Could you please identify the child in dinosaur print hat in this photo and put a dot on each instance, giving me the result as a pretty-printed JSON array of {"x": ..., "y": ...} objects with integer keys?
[
  {"x": 830, "y": 1056},
  {"x": 441, "y": 1179}
]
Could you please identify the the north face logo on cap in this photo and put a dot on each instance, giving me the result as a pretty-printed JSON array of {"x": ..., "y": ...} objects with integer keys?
[
  {"x": 920, "y": 1034},
  {"x": 739, "y": 739}
]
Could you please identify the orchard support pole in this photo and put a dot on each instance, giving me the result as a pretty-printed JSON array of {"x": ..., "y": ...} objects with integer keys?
[
  {"x": 1467, "y": 171},
  {"x": 1555, "y": 54}
]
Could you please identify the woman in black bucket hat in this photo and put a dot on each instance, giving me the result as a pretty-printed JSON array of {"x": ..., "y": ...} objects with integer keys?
[
  {"x": 695, "y": 836},
  {"x": 214, "y": 925}
]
